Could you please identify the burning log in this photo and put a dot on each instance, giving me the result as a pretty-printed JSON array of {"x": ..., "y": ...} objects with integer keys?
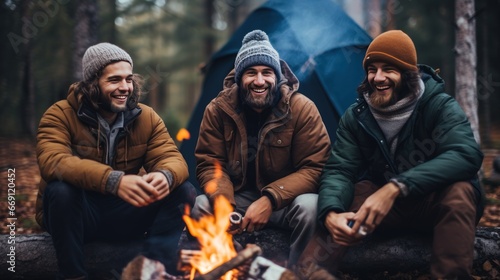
[
  {"x": 248, "y": 262},
  {"x": 185, "y": 258},
  {"x": 245, "y": 255}
]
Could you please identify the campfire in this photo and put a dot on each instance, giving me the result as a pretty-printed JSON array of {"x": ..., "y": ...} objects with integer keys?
[
  {"x": 216, "y": 243},
  {"x": 215, "y": 256}
]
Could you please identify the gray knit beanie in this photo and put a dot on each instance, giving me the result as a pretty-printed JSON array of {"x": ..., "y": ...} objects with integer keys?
[
  {"x": 256, "y": 50},
  {"x": 99, "y": 56}
]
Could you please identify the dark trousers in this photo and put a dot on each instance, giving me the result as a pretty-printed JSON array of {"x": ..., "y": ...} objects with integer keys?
[
  {"x": 449, "y": 215},
  {"x": 74, "y": 217}
]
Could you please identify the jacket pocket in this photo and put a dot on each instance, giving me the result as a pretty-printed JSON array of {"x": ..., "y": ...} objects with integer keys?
[
  {"x": 87, "y": 151},
  {"x": 277, "y": 155},
  {"x": 132, "y": 159}
]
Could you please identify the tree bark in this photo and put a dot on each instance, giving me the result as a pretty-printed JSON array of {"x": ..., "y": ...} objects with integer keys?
[
  {"x": 466, "y": 61},
  {"x": 374, "y": 25},
  {"x": 484, "y": 86},
  {"x": 28, "y": 87},
  {"x": 84, "y": 34}
]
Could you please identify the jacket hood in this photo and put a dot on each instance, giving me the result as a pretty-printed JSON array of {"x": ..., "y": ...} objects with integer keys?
[
  {"x": 434, "y": 84},
  {"x": 71, "y": 97}
]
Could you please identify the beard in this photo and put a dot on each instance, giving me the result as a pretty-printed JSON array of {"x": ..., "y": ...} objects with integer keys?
[
  {"x": 382, "y": 101},
  {"x": 259, "y": 103},
  {"x": 106, "y": 104}
]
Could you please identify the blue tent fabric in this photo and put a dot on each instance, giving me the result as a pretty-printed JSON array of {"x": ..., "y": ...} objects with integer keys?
[{"x": 322, "y": 45}]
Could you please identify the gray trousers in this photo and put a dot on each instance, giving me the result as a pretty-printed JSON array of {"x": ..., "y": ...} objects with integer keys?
[{"x": 299, "y": 217}]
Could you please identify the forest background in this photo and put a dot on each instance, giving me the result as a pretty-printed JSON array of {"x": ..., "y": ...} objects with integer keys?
[{"x": 170, "y": 41}]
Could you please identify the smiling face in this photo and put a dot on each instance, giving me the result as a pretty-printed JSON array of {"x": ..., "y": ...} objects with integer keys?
[
  {"x": 116, "y": 88},
  {"x": 385, "y": 81},
  {"x": 258, "y": 86}
]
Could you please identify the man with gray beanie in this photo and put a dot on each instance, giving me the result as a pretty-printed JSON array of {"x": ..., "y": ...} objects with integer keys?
[
  {"x": 270, "y": 143},
  {"x": 404, "y": 160},
  {"x": 109, "y": 169}
]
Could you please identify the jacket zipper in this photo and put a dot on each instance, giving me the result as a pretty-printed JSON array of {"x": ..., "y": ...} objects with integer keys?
[{"x": 380, "y": 143}]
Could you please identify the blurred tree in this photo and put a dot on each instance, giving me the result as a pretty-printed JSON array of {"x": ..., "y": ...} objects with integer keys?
[
  {"x": 374, "y": 17},
  {"x": 169, "y": 41},
  {"x": 28, "y": 92},
  {"x": 108, "y": 13},
  {"x": 84, "y": 34},
  {"x": 36, "y": 61},
  {"x": 209, "y": 40},
  {"x": 12, "y": 54},
  {"x": 466, "y": 61},
  {"x": 488, "y": 79}
]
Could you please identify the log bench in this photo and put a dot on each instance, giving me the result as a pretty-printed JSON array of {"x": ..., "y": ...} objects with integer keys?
[{"x": 35, "y": 256}]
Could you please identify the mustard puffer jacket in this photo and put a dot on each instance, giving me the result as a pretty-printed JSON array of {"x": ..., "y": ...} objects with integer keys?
[{"x": 69, "y": 148}]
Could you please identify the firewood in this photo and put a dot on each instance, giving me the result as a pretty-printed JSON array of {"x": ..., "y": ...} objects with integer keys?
[
  {"x": 145, "y": 269},
  {"x": 185, "y": 258},
  {"x": 249, "y": 253},
  {"x": 264, "y": 269}
]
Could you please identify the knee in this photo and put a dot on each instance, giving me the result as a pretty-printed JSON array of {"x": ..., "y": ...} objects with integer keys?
[
  {"x": 60, "y": 192},
  {"x": 458, "y": 195},
  {"x": 459, "y": 199},
  {"x": 201, "y": 207},
  {"x": 306, "y": 206},
  {"x": 186, "y": 193}
]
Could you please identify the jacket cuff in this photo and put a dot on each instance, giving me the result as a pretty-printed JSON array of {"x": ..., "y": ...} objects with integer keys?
[
  {"x": 402, "y": 187},
  {"x": 113, "y": 181},
  {"x": 271, "y": 198},
  {"x": 170, "y": 178}
]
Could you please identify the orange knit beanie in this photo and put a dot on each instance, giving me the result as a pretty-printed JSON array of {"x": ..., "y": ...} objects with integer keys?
[{"x": 393, "y": 47}]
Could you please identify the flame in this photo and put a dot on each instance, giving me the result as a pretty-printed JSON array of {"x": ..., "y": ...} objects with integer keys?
[
  {"x": 211, "y": 186},
  {"x": 216, "y": 244},
  {"x": 182, "y": 135}
]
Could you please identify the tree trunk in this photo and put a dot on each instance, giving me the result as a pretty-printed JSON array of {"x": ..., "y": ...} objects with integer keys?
[
  {"x": 28, "y": 85},
  {"x": 465, "y": 66},
  {"x": 232, "y": 16},
  {"x": 357, "y": 11},
  {"x": 391, "y": 9},
  {"x": 84, "y": 34},
  {"x": 209, "y": 41},
  {"x": 374, "y": 25},
  {"x": 484, "y": 86}
]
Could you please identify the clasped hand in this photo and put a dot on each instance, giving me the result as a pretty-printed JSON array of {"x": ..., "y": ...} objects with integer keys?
[
  {"x": 143, "y": 190},
  {"x": 370, "y": 215}
]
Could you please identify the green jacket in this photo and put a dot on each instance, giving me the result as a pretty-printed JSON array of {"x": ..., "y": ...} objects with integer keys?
[{"x": 436, "y": 148}]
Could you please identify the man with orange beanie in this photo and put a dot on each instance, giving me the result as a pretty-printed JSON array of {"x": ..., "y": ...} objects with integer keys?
[{"x": 405, "y": 159}]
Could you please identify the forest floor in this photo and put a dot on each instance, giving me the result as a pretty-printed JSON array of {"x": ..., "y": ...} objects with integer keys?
[{"x": 17, "y": 156}]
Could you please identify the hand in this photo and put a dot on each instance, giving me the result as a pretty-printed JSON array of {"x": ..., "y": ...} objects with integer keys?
[
  {"x": 376, "y": 207},
  {"x": 159, "y": 182},
  {"x": 137, "y": 191},
  {"x": 341, "y": 233},
  {"x": 257, "y": 214}
]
